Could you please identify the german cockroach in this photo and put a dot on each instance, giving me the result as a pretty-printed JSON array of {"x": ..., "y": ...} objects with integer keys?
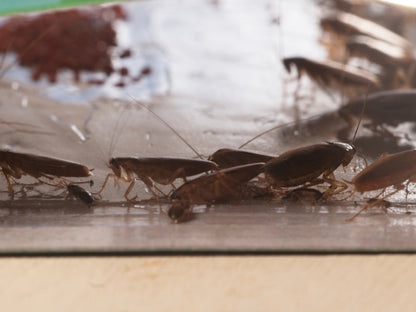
[
  {"x": 304, "y": 166},
  {"x": 389, "y": 170},
  {"x": 216, "y": 186},
  {"x": 346, "y": 24},
  {"x": 15, "y": 165},
  {"x": 332, "y": 74},
  {"x": 80, "y": 193},
  {"x": 162, "y": 170},
  {"x": 382, "y": 108},
  {"x": 180, "y": 211}
]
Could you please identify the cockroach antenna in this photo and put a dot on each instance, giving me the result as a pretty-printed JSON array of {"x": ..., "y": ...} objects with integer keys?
[
  {"x": 167, "y": 125},
  {"x": 118, "y": 130},
  {"x": 361, "y": 118},
  {"x": 275, "y": 128}
]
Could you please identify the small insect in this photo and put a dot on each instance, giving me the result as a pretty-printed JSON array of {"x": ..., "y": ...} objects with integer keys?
[
  {"x": 80, "y": 193},
  {"x": 216, "y": 186},
  {"x": 304, "y": 166},
  {"x": 328, "y": 73},
  {"x": 231, "y": 157},
  {"x": 180, "y": 211},
  {"x": 15, "y": 165},
  {"x": 382, "y": 108},
  {"x": 346, "y": 24},
  {"x": 389, "y": 170},
  {"x": 162, "y": 170}
]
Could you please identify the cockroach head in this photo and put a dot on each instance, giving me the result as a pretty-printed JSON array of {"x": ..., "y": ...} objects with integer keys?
[
  {"x": 180, "y": 211},
  {"x": 287, "y": 62},
  {"x": 349, "y": 152},
  {"x": 175, "y": 212},
  {"x": 113, "y": 164}
]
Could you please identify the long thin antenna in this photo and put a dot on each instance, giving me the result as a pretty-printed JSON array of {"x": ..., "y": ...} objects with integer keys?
[
  {"x": 277, "y": 127},
  {"x": 112, "y": 142},
  {"x": 167, "y": 125},
  {"x": 361, "y": 118}
]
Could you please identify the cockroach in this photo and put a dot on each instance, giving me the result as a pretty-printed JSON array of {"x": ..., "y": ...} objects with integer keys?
[
  {"x": 162, "y": 170},
  {"x": 346, "y": 24},
  {"x": 15, "y": 165},
  {"x": 180, "y": 211},
  {"x": 389, "y": 170},
  {"x": 388, "y": 108},
  {"x": 231, "y": 157},
  {"x": 80, "y": 193},
  {"x": 216, "y": 186},
  {"x": 333, "y": 74},
  {"x": 304, "y": 166}
]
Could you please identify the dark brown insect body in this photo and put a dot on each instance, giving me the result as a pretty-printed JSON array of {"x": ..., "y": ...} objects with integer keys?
[
  {"x": 231, "y": 157},
  {"x": 162, "y": 170},
  {"x": 306, "y": 164},
  {"x": 80, "y": 193},
  {"x": 16, "y": 165},
  {"x": 390, "y": 170},
  {"x": 383, "y": 108},
  {"x": 332, "y": 74},
  {"x": 216, "y": 186}
]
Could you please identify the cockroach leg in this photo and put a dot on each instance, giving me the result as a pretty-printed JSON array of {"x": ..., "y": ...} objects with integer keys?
[
  {"x": 335, "y": 185},
  {"x": 9, "y": 185},
  {"x": 401, "y": 187},
  {"x": 128, "y": 192},
  {"x": 115, "y": 178}
]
